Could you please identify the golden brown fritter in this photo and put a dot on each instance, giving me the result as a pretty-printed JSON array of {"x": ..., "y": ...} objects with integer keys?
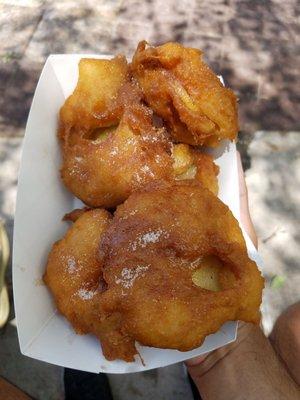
[
  {"x": 73, "y": 272},
  {"x": 103, "y": 171},
  {"x": 94, "y": 102},
  {"x": 74, "y": 276},
  {"x": 184, "y": 91},
  {"x": 109, "y": 144},
  {"x": 157, "y": 241},
  {"x": 172, "y": 268}
]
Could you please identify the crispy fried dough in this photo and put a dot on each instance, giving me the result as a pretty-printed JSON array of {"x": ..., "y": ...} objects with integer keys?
[
  {"x": 171, "y": 268},
  {"x": 73, "y": 272},
  {"x": 103, "y": 171},
  {"x": 74, "y": 276},
  {"x": 94, "y": 102},
  {"x": 185, "y": 92},
  {"x": 156, "y": 242},
  {"x": 109, "y": 143}
]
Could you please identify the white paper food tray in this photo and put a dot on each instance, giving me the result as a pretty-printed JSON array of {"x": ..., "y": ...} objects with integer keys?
[{"x": 41, "y": 203}]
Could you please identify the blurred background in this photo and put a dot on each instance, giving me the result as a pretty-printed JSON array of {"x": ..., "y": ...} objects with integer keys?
[{"x": 254, "y": 45}]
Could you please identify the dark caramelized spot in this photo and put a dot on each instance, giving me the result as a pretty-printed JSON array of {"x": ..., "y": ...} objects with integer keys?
[{"x": 102, "y": 285}]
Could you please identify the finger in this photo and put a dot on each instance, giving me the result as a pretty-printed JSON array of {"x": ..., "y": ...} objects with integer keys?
[
  {"x": 246, "y": 220},
  {"x": 196, "y": 360}
]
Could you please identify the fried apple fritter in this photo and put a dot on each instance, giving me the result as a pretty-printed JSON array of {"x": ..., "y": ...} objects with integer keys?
[
  {"x": 172, "y": 268},
  {"x": 73, "y": 272},
  {"x": 109, "y": 143},
  {"x": 185, "y": 92},
  {"x": 74, "y": 276},
  {"x": 161, "y": 249},
  {"x": 103, "y": 171},
  {"x": 94, "y": 102}
]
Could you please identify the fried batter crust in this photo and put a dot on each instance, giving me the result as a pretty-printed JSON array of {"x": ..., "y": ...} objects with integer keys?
[
  {"x": 74, "y": 276},
  {"x": 157, "y": 240},
  {"x": 186, "y": 93},
  {"x": 139, "y": 276},
  {"x": 109, "y": 143},
  {"x": 94, "y": 102}
]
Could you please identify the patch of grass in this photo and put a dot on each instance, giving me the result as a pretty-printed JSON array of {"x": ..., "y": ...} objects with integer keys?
[{"x": 277, "y": 281}]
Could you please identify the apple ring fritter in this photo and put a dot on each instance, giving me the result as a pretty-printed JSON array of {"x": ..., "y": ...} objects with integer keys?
[
  {"x": 109, "y": 144},
  {"x": 103, "y": 171},
  {"x": 74, "y": 276},
  {"x": 162, "y": 243},
  {"x": 73, "y": 272},
  {"x": 185, "y": 92},
  {"x": 95, "y": 100}
]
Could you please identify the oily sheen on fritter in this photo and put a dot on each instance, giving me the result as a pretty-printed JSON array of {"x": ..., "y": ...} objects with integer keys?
[
  {"x": 152, "y": 252},
  {"x": 109, "y": 144},
  {"x": 170, "y": 266},
  {"x": 74, "y": 276},
  {"x": 95, "y": 100},
  {"x": 103, "y": 171},
  {"x": 168, "y": 269},
  {"x": 185, "y": 92},
  {"x": 73, "y": 271}
]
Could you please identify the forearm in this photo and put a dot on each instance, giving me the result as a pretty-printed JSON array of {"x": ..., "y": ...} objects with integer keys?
[{"x": 246, "y": 369}]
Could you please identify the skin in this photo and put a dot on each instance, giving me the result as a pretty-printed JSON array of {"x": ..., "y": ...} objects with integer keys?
[
  {"x": 250, "y": 368},
  {"x": 285, "y": 339}
]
